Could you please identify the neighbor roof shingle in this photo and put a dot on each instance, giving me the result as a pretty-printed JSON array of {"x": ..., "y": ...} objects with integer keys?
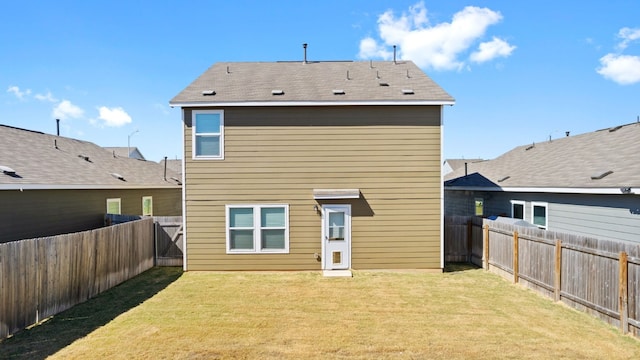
[
  {"x": 48, "y": 161},
  {"x": 568, "y": 162}
]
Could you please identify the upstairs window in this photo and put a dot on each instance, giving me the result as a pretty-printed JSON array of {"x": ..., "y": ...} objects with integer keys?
[{"x": 208, "y": 134}]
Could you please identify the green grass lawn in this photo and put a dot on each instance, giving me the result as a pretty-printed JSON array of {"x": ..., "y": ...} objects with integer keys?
[{"x": 460, "y": 314}]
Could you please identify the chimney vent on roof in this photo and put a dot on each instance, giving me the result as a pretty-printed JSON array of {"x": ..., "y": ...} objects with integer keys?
[
  {"x": 567, "y": 133},
  {"x": 85, "y": 158},
  {"x": 7, "y": 170},
  {"x": 118, "y": 176},
  {"x": 348, "y": 78},
  {"x": 55, "y": 143},
  {"x": 58, "y": 127}
]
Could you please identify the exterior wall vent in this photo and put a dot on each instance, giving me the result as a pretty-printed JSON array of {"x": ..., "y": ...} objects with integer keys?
[{"x": 599, "y": 176}]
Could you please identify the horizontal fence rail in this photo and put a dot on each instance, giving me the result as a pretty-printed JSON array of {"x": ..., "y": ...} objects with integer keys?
[{"x": 44, "y": 276}]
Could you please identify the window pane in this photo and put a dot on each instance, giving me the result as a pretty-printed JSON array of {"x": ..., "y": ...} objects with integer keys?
[
  {"x": 518, "y": 211},
  {"x": 479, "y": 206},
  {"x": 240, "y": 217},
  {"x": 272, "y": 217},
  {"x": 273, "y": 239},
  {"x": 147, "y": 206},
  {"x": 207, "y": 145},
  {"x": 336, "y": 225},
  {"x": 241, "y": 239},
  {"x": 113, "y": 206},
  {"x": 540, "y": 215},
  {"x": 207, "y": 123}
]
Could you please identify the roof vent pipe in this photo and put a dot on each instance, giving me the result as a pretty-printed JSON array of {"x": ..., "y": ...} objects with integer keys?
[
  {"x": 58, "y": 127},
  {"x": 567, "y": 133},
  {"x": 465, "y": 169},
  {"x": 394, "y": 54},
  {"x": 165, "y": 168},
  {"x": 304, "y": 46}
]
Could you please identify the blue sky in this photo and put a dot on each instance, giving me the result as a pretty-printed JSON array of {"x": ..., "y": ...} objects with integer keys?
[{"x": 520, "y": 72}]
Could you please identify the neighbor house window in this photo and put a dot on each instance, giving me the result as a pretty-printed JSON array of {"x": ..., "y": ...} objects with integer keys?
[
  {"x": 257, "y": 228},
  {"x": 113, "y": 206},
  {"x": 517, "y": 209},
  {"x": 540, "y": 214},
  {"x": 208, "y": 134},
  {"x": 479, "y": 206},
  {"x": 147, "y": 206}
]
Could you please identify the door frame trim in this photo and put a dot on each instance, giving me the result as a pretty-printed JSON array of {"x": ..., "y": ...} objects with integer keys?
[{"x": 323, "y": 240}]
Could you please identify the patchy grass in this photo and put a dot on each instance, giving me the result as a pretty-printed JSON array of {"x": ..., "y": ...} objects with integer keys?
[{"x": 461, "y": 314}]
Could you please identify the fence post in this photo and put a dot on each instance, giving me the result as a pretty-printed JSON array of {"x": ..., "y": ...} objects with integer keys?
[
  {"x": 486, "y": 248},
  {"x": 623, "y": 298},
  {"x": 515, "y": 257},
  {"x": 469, "y": 240},
  {"x": 557, "y": 283}
]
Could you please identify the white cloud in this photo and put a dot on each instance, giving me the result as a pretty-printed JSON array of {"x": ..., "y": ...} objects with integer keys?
[
  {"x": 442, "y": 46},
  {"x": 65, "y": 110},
  {"x": 46, "y": 97},
  {"x": 18, "y": 93},
  {"x": 114, "y": 117},
  {"x": 491, "y": 50},
  {"x": 627, "y": 35},
  {"x": 622, "y": 69}
]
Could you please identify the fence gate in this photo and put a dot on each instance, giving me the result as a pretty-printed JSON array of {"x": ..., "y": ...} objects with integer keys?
[{"x": 169, "y": 232}]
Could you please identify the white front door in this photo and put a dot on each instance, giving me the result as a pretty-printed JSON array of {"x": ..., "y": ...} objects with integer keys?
[{"x": 336, "y": 237}]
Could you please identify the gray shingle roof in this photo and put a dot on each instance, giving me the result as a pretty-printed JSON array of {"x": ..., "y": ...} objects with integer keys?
[
  {"x": 73, "y": 164},
  {"x": 123, "y": 151},
  {"x": 363, "y": 81},
  {"x": 570, "y": 162}
]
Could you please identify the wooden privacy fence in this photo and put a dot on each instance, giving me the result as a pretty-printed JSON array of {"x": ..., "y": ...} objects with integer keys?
[
  {"x": 463, "y": 239},
  {"x": 44, "y": 276},
  {"x": 596, "y": 276},
  {"x": 167, "y": 237}
]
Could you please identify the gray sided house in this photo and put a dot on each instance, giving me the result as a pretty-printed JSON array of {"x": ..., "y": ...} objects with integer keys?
[
  {"x": 50, "y": 185},
  {"x": 313, "y": 166},
  {"x": 587, "y": 184}
]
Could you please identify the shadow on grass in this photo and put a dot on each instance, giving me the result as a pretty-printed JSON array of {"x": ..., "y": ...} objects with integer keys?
[
  {"x": 459, "y": 266},
  {"x": 64, "y": 328}
]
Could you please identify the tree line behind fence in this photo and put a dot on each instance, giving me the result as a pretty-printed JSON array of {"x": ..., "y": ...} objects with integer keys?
[
  {"x": 44, "y": 276},
  {"x": 600, "y": 277}
]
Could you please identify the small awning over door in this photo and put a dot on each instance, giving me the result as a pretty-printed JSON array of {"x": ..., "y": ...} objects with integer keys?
[{"x": 330, "y": 194}]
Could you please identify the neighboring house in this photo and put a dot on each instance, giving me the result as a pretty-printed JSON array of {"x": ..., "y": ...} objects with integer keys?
[
  {"x": 51, "y": 185},
  {"x": 449, "y": 165},
  {"x": 123, "y": 151},
  {"x": 313, "y": 165},
  {"x": 587, "y": 184}
]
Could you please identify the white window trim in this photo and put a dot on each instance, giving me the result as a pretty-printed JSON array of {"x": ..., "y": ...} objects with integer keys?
[
  {"x": 546, "y": 214},
  {"x": 518, "y": 202},
  {"x": 257, "y": 240},
  {"x": 119, "y": 201},
  {"x": 151, "y": 200},
  {"x": 194, "y": 156}
]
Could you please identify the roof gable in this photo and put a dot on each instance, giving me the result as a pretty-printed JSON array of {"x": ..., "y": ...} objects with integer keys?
[{"x": 330, "y": 82}]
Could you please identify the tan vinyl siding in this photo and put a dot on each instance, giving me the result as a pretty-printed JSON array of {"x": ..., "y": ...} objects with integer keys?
[
  {"x": 279, "y": 155},
  {"x": 37, "y": 213}
]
